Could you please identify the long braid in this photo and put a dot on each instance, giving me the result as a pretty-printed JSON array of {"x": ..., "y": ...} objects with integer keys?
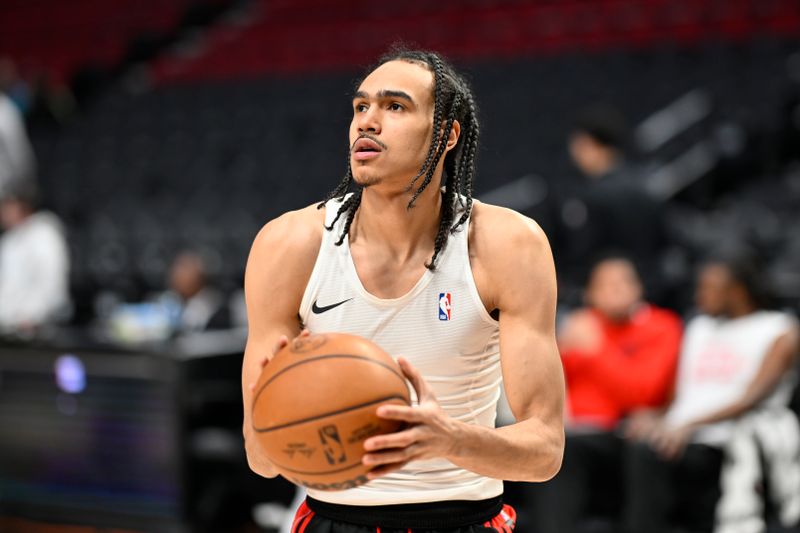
[
  {"x": 448, "y": 213},
  {"x": 466, "y": 164},
  {"x": 434, "y": 61},
  {"x": 354, "y": 201},
  {"x": 339, "y": 192},
  {"x": 452, "y": 100},
  {"x": 439, "y": 151},
  {"x": 470, "y": 133}
]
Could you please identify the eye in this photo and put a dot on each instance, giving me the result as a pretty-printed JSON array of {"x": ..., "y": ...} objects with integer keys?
[
  {"x": 395, "y": 106},
  {"x": 360, "y": 108}
]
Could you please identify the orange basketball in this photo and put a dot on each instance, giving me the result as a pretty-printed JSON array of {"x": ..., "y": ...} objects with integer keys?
[{"x": 315, "y": 403}]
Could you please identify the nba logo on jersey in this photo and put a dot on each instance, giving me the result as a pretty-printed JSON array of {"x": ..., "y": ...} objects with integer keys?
[{"x": 445, "y": 302}]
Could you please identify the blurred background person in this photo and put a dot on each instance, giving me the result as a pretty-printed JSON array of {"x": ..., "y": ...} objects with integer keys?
[
  {"x": 189, "y": 304},
  {"x": 34, "y": 262},
  {"x": 738, "y": 355},
  {"x": 197, "y": 304},
  {"x": 619, "y": 355},
  {"x": 610, "y": 209},
  {"x": 16, "y": 155}
]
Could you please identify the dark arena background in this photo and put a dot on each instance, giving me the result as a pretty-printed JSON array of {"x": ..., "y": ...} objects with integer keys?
[{"x": 165, "y": 133}]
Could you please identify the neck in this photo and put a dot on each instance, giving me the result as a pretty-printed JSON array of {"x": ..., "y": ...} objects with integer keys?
[{"x": 384, "y": 219}]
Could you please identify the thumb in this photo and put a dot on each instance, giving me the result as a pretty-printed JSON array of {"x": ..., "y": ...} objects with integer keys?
[{"x": 424, "y": 392}]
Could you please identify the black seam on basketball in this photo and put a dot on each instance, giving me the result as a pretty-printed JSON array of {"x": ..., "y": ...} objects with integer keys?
[
  {"x": 319, "y": 357},
  {"x": 325, "y": 415}
]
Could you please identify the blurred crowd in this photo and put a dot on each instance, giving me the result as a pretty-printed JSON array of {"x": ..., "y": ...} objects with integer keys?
[
  {"x": 674, "y": 427},
  {"x": 678, "y": 418},
  {"x": 676, "y": 421}
]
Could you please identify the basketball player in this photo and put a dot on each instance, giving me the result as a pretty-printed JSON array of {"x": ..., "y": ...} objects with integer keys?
[{"x": 463, "y": 292}]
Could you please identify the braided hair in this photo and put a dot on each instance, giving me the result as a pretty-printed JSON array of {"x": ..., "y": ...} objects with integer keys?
[{"x": 452, "y": 100}]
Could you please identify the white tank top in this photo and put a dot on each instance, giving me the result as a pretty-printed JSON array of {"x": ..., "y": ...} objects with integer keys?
[
  {"x": 719, "y": 360},
  {"x": 442, "y": 327}
]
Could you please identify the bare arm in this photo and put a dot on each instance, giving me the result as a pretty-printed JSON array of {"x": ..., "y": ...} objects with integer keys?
[
  {"x": 280, "y": 263},
  {"x": 514, "y": 265},
  {"x": 532, "y": 448}
]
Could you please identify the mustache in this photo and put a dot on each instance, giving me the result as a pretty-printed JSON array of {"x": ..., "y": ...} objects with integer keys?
[{"x": 371, "y": 138}]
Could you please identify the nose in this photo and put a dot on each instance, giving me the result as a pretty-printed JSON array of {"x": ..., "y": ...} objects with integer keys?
[{"x": 369, "y": 121}]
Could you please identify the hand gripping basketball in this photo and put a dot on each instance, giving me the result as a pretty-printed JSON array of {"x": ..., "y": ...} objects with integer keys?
[
  {"x": 283, "y": 341},
  {"x": 431, "y": 432},
  {"x": 314, "y": 406}
]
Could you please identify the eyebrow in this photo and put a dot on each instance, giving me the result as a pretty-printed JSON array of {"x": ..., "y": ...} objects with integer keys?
[{"x": 385, "y": 93}]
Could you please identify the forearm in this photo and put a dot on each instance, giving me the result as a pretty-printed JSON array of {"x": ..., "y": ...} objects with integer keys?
[
  {"x": 256, "y": 458},
  {"x": 729, "y": 412},
  {"x": 525, "y": 451}
]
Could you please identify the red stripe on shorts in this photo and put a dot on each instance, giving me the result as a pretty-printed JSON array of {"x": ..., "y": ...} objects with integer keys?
[
  {"x": 302, "y": 518},
  {"x": 505, "y": 521}
]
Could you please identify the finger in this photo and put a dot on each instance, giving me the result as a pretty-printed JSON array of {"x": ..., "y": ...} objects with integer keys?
[
  {"x": 382, "y": 470},
  {"x": 305, "y": 333},
  {"x": 401, "y": 439},
  {"x": 387, "y": 457},
  {"x": 283, "y": 340},
  {"x": 412, "y": 415},
  {"x": 416, "y": 379}
]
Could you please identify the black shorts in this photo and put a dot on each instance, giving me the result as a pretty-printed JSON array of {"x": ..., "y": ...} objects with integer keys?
[{"x": 484, "y": 516}]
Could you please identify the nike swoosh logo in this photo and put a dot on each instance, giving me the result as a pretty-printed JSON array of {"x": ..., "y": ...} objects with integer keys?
[{"x": 319, "y": 310}]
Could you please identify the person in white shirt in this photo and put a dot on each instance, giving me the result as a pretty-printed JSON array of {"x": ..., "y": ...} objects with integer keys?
[
  {"x": 34, "y": 262},
  {"x": 736, "y": 357}
]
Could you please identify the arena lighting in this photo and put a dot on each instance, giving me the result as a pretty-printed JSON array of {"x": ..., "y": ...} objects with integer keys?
[{"x": 70, "y": 374}]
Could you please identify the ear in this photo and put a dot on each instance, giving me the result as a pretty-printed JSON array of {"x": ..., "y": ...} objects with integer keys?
[{"x": 455, "y": 133}]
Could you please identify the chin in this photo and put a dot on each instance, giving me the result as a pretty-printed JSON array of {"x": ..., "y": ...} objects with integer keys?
[{"x": 366, "y": 180}]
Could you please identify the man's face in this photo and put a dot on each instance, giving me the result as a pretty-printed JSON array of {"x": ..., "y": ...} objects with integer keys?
[
  {"x": 592, "y": 158},
  {"x": 614, "y": 289},
  {"x": 392, "y": 122},
  {"x": 713, "y": 291},
  {"x": 187, "y": 275}
]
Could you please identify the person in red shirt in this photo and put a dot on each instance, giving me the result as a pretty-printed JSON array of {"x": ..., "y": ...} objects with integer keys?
[{"x": 620, "y": 355}]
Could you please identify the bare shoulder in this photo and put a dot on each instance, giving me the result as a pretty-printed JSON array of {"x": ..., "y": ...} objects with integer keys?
[
  {"x": 510, "y": 256},
  {"x": 283, "y": 255},
  {"x": 294, "y": 236},
  {"x": 499, "y": 234}
]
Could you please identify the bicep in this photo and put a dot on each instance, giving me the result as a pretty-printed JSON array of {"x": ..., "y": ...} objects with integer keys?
[
  {"x": 272, "y": 294},
  {"x": 532, "y": 370}
]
